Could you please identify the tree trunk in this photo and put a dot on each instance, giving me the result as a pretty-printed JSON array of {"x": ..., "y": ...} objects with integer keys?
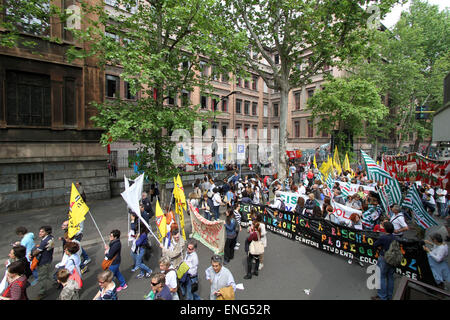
[{"x": 282, "y": 140}]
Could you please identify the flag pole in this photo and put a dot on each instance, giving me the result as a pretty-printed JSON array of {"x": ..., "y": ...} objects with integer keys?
[{"x": 97, "y": 227}]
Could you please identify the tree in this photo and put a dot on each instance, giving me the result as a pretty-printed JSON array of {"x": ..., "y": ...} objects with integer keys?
[
  {"x": 298, "y": 39},
  {"x": 348, "y": 105},
  {"x": 159, "y": 47},
  {"x": 409, "y": 63}
]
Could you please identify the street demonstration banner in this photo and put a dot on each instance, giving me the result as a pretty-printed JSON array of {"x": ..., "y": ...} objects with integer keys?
[
  {"x": 415, "y": 167},
  {"x": 342, "y": 241},
  {"x": 290, "y": 201},
  {"x": 210, "y": 233},
  {"x": 354, "y": 188}
]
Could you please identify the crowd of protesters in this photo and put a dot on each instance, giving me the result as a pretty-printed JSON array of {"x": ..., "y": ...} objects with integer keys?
[{"x": 177, "y": 278}]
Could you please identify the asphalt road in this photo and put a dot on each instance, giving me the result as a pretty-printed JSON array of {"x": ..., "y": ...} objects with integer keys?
[{"x": 292, "y": 271}]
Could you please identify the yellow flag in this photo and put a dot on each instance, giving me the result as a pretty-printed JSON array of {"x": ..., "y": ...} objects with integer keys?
[
  {"x": 181, "y": 195},
  {"x": 336, "y": 161},
  {"x": 160, "y": 221},
  {"x": 77, "y": 211},
  {"x": 181, "y": 205},
  {"x": 314, "y": 162},
  {"x": 347, "y": 163}
]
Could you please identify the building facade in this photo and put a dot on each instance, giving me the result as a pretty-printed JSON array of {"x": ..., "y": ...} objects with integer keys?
[{"x": 47, "y": 141}]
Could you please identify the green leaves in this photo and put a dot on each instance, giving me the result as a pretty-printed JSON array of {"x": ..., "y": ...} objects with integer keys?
[{"x": 349, "y": 104}]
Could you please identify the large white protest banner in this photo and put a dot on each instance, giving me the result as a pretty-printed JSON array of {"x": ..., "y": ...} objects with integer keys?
[{"x": 290, "y": 201}]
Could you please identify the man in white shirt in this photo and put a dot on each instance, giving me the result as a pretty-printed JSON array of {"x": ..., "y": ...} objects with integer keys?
[
  {"x": 171, "y": 276},
  {"x": 217, "y": 201},
  {"x": 191, "y": 259},
  {"x": 441, "y": 201},
  {"x": 219, "y": 276},
  {"x": 398, "y": 220},
  {"x": 278, "y": 201},
  {"x": 301, "y": 188}
]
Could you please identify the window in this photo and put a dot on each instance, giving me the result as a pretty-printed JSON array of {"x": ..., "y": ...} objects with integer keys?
[
  {"x": 266, "y": 88},
  {"x": 254, "y": 133},
  {"x": 185, "y": 99},
  {"x": 225, "y": 77},
  {"x": 265, "y": 132},
  {"x": 224, "y": 130},
  {"x": 204, "y": 102},
  {"x": 239, "y": 82},
  {"x": 28, "y": 99},
  {"x": 310, "y": 129},
  {"x": 215, "y": 75},
  {"x": 30, "y": 181},
  {"x": 238, "y": 106},
  {"x": 69, "y": 109},
  {"x": 73, "y": 23},
  {"x": 238, "y": 132},
  {"x": 255, "y": 82},
  {"x": 214, "y": 129},
  {"x": 265, "y": 110},
  {"x": 204, "y": 69},
  {"x": 310, "y": 93},
  {"x": 246, "y": 107},
  {"x": 112, "y": 86},
  {"x": 254, "y": 108},
  {"x": 128, "y": 94},
  {"x": 297, "y": 100},
  {"x": 297, "y": 129},
  {"x": 225, "y": 105},
  {"x": 214, "y": 102},
  {"x": 35, "y": 21},
  {"x": 277, "y": 59},
  {"x": 275, "y": 109},
  {"x": 246, "y": 127},
  {"x": 246, "y": 84}
]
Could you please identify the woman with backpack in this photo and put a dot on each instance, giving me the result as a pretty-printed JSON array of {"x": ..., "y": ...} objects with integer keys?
[{"x": 386, "y": 270}]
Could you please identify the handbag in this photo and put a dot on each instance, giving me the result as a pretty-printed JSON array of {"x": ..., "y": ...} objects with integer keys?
[
  {"x": 34, "y": 263},
  {"x": 76, "y": 277},
  {"x": 256, "y": 248},
  {"x": 107, "y": 263},
  {"x": 182, "y": 271}
]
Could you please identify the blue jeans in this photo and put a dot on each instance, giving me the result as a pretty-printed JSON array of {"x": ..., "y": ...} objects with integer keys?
[
  {"x": 216, "y": 212},
  {"x": 386, "y": 279},
  {"x": 207, "y": 215},
  {"x": 442, "y": 209},
  {"x": 115, "y": 269},
  {"x": 138, "y": 263},
  {"x": 186, "y": 289}
]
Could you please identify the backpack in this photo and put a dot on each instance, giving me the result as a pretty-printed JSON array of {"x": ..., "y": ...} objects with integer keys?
[{"x": 393, "y": 256}]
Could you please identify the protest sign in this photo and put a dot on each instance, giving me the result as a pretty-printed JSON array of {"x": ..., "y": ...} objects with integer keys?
[
  {"x": 355, "y": 187},
  {"x": 343, "y": 241},
  {"x": 210, "y": 233}
]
